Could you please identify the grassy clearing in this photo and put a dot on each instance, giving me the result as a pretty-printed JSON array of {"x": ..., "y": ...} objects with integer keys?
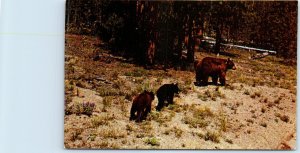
[
  {"x": 117, "y": 82},
  {"x": 269, "y": 71}
]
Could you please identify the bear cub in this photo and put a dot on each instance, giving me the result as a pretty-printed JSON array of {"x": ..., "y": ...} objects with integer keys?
[
  {"x": 166, "y": 93},
  {"x": 141, "y": 106}
]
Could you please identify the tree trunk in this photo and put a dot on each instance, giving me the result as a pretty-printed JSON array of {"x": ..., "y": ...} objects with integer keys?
[{"x": 218, "y": 39}]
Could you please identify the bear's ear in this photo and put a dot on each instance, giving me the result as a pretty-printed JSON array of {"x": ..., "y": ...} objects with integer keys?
[{"x": 228, "y": 60}]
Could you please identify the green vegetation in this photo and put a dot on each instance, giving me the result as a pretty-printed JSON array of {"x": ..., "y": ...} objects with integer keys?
[{"x": 152, "y": 141}]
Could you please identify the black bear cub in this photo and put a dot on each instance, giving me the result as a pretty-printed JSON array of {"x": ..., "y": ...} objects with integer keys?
[
  {"x": 166, "y": 93},
  {"x": 141, "y": 106}
]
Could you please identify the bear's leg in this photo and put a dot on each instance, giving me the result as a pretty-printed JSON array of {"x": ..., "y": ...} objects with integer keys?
[
  {"x": 205, "y": 80},
  {"x": 198, "y": 77},
  {"x": 170, "y": 100},
  {"x": 139, "y": 116},
  {"x": 215, "y": 80},
  {"x": 132, "y": 113},
  {"x": 223, "y": 78},
  {"x": 148, "y": 109},
  {"x": 160, "y": 104}
]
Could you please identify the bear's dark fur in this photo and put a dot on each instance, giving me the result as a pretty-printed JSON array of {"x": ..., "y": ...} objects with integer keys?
[
  {"x": 166, "y": 93},
  {"x": 141, "y": 106},
  {"x": 213, "y": 67}
]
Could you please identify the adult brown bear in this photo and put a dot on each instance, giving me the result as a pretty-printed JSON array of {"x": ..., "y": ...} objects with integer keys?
[
  {"x": 212, "y": 67},
  {"x": 141, "y": 106}
]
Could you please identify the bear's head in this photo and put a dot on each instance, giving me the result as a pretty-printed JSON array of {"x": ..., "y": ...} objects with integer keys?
[
  {"x": 151, "y": 94},
  {"x": 175, "y": 88},
  {"x": 230, "y": 64}
]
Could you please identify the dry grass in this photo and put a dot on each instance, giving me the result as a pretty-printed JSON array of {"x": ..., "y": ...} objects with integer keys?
[
  {"x": 101, "y": 120},
  {"x": 212, "y": 136},
  {"x": 199, "y": 118},
  {"x": 111, "y": 133}
]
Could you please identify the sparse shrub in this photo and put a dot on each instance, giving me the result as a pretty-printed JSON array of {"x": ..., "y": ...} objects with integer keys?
[
  {"x": 263, "y": 124},
  {"x": 277, "y": 100},
  {"x": 200, "y": 116},
  {"x": 165, "y": 118},
  {"x": 124, "y": 65},
  {"x": 208, "y": 93},
  {"x": 249, "y": 131},
  {"x": 112, "y": 133},
  {"x": 75, "y": 133},
  {"x": 144, "y": 86},
  {"x": 270, "y": 104},
  {"x": 229, "y": 141},
  {"x": 212, "y": 95},
  {"x": 103, "y": 144},
  {"x": 130, "y": 128},
  {"x": 212, "y": 136},
  {"x": 231, "y": 87},
  {"x": 152, "y": 141},
  {"x": 250, "y": 121},
  {"x": 203, "y": 112},
  {"x": 293, "y": 100},
  {"x": 223, "y": 122},
  {"x": 178, "y": 132},
  {"x": 154, "y": 115},
  {"x": 88, "y": 108},
  {"x": 246, "y": 92},
  {"x": 277, "y": 114},
  {"x": 167, "y": 132},
  {"x": 146, "y": 127},
  {"x": 118, "y": 84},
  {"x": 78, "y": 108},
  {"x": 184, "y": 88},
  {"x": 114, "y": 146},
  {"x": 188, "y": 82},
  {"x": 137, "y": 72},
  {"x": 185, "y": 107},
  {"x": 263, "y": 109},
  {"x": 92, "y": 136},
  {"x": 284, "y": 118},
  {"x": 96, "y": 121},
  {"x": 103, "y": 92},
  {"x": 200, "y": 135},
  {"x": 202, "y": 97},
  {"x": 115, "y": 75},
  {"x": 257, "y": 93},
  {"x": 195, "y": 122},
  {"x": 124, "y": 141},
  {"x": 130, "y": 94}
]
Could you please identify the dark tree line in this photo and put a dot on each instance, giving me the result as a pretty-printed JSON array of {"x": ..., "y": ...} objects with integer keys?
[{"x": 169, "y": 32}]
